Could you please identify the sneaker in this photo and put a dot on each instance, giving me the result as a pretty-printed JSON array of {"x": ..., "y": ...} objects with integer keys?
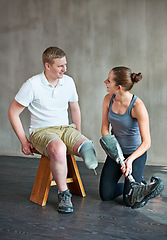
[
  {"x": 143, "y": 180},
  {"x": 65, "y": 204},
  {"x": 159, "y": 189},
  {"x": 159, "y": 186},
  {"x": 138, "y": 192}
]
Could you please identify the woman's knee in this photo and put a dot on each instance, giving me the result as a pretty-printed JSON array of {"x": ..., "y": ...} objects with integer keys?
[
  {"x": 106, "y": 192},
  {"x": 105, "y": 196}
]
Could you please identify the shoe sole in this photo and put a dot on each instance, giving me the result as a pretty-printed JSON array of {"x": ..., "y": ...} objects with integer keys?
[
  {"x": 158, "y": 191},
  {"x": 65, "y": 211}
]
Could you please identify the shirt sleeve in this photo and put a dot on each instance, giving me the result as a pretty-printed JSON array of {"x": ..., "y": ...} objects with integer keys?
[
  {"x": 25, "y": 94},
  {"x": 74, "y": 94}
]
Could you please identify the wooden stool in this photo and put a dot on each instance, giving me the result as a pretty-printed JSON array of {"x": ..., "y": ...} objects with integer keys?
[{"x": 44, "y": 179}]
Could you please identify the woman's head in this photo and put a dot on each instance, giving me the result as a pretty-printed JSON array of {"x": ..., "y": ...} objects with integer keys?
[{"x": 125, "y": 77}]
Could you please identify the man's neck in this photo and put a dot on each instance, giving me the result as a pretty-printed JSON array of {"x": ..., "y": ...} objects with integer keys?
[{"x": 52, "y": 81}]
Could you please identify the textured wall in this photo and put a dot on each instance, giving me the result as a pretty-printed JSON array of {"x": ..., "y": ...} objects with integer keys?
[{"x": 96, "y": 35}]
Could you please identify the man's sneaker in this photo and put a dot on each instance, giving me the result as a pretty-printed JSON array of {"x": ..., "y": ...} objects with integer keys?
[
  {"x": 65, "y": 204},
  {"x": 157, "y": 190}
]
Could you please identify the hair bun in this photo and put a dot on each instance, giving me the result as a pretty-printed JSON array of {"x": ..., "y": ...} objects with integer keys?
[{"x": 136, "y": 77}]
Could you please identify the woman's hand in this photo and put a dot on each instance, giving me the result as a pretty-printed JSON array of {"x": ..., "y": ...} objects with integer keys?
[{"x": 128, "y": 167}]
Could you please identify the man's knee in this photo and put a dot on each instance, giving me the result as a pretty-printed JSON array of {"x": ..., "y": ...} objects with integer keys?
[{"x": 56, "y": 149}]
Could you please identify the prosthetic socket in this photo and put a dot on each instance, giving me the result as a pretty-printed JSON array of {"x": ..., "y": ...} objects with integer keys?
[
  {"x": 111, "y": 146},
  {"x": 87, "y": 152}
]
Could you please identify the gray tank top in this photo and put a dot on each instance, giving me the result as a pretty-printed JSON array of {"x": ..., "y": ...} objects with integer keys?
[{"x": 125, "y": 128}]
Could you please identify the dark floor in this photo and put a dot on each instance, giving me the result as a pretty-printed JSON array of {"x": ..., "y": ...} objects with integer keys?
[{"x": 92, "y": 218}]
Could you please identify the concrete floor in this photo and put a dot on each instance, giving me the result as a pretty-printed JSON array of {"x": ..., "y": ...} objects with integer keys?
[{"x": 92, "y": 219}]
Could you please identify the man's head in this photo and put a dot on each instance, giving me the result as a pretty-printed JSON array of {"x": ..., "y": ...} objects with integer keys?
[
  {"x": 54, "y": 60},
  {"x": 51, "y": 53}
]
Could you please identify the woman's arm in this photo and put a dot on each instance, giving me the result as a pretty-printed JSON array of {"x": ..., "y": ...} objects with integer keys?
[{"x": 105, "y": 122}]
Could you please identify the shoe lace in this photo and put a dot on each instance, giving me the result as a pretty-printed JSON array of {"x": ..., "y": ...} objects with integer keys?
[{"x": 65, "y": 197}]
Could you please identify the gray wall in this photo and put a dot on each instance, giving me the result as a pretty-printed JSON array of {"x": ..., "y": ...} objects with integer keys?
[{"x": 96, "y": 35}]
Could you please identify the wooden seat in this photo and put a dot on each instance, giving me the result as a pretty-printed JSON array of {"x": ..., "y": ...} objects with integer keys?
[{"x": 44, "y": 179}]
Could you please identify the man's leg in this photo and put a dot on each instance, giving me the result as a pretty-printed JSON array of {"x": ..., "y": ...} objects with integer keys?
[
  {"x": 85, "y": 149},
  {"x": 48, "y": 142},
  {"x": 81, "y": 146},
  {"x": 56, "y": 150},
  {"x": 78, "y": 144}
]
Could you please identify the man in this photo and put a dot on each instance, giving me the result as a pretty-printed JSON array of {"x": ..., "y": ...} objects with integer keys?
[{"x": 47, "y": 96}]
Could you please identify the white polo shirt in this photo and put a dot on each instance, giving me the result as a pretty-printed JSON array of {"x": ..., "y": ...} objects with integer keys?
[{"x": 48, "y": 105}]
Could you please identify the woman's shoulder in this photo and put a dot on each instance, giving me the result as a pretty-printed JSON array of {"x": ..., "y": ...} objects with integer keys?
[
  {"x": 108, "y": 97},
  {"x": 139, "y": 107},
  {"x": 107, "y": 100},
  {"x": 138, "y": 102}
]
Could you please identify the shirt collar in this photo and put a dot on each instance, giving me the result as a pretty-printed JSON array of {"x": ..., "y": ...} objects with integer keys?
[{"x": 45, "y": 81}]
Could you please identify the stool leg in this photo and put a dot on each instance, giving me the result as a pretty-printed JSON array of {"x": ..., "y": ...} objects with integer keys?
[
  {"x": 76, "y": 187},
  {"x": 42, "y": 182}
]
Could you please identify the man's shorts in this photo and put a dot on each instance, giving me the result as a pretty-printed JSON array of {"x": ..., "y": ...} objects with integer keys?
[{"x": 41, "y": 137}]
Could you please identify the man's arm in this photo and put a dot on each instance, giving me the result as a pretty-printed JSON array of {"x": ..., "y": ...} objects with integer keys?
[
  {"x": 75, "y": 114},
  {"x": 13, "y": 114}
]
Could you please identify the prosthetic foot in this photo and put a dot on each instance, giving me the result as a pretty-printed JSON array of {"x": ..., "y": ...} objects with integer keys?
[
  {"x": 150, "y": 191},
  {"x": 87, "y": 152},
  {"x": 139, "y": 194}
]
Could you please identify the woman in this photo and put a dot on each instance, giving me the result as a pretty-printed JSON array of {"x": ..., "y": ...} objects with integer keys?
[{"x": 129, "y": 120}]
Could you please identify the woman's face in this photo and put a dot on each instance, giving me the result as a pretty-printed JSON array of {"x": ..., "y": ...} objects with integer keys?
[{"x": 110, "y": 83}]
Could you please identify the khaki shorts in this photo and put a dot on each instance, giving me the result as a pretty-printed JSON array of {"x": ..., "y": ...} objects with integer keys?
[{"x": 41, "y": 137}]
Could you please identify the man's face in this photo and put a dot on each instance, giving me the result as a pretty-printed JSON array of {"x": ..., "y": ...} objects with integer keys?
[{"x": 57, "y": 68}]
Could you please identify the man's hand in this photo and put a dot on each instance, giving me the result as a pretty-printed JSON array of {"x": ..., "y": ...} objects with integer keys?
[{"x": 27, "y": 148}]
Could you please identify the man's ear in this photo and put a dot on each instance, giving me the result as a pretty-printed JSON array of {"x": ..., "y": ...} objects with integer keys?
[{"x": 47, "y": 65}]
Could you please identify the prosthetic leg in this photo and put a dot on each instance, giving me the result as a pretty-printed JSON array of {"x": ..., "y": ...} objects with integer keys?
[
  {"x": 87, "y": 152},
  {"x": 138, "y": 192}
]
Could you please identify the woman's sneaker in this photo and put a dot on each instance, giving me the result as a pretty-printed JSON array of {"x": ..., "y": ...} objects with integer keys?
[
  {"x": 65, "y": 204},
  {"x": 158, "y": 190}
]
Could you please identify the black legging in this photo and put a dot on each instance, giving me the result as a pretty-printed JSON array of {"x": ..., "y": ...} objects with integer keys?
[{"x": 111, "y": 173}]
